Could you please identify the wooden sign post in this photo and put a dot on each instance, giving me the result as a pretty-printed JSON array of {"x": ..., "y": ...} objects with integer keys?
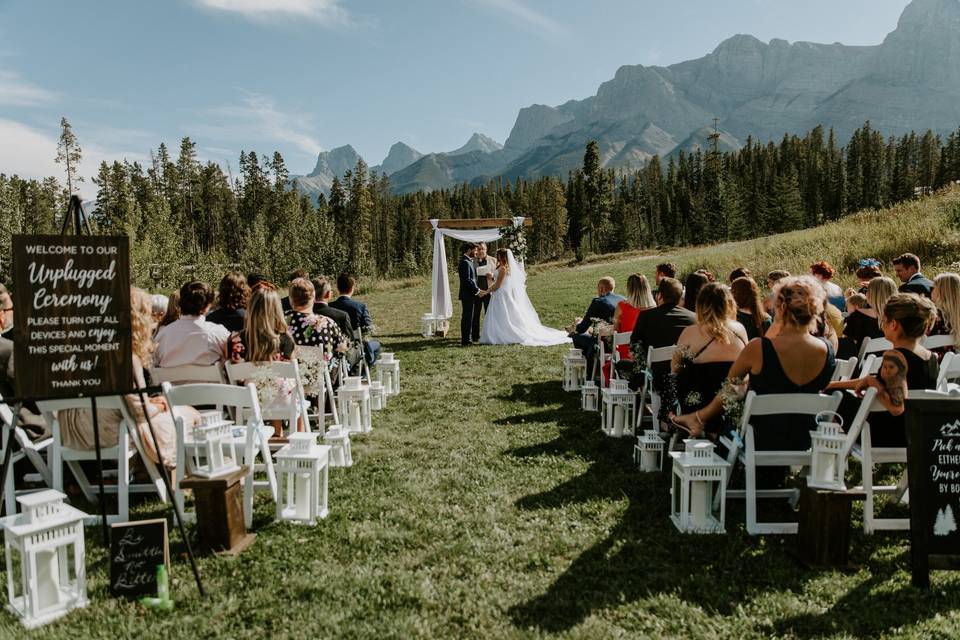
[{"x": 933, "y": 455}]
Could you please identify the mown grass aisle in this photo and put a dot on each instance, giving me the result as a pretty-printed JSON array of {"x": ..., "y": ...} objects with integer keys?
[{"x": 486, "y": 504}]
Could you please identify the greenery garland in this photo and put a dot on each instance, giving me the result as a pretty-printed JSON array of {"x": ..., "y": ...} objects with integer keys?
[{"x": 513, "y": 237}]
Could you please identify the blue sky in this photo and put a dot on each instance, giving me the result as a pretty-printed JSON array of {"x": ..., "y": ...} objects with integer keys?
[{"x": 304, "y": 75}]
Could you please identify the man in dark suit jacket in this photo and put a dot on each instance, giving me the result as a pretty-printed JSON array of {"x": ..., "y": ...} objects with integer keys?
[
  {"x": 359, "y": 316},
  {"x": 321, "y": 307},
  {"x": 659, "y": 327},
  {"x": 907, "y": 267},
  {"x": 469, "y": 293},
  {"x": 602, "y": 307}
]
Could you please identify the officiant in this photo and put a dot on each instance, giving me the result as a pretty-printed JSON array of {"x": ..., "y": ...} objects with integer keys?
[{"x": 484, "y": 266}]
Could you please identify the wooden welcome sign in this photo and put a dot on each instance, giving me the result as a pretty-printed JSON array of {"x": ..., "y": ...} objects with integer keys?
[
  {"x": 933, "y": 454},
  {"x": 71, "y": 315}
]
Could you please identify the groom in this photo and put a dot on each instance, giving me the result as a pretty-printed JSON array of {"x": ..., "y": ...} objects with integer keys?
[
  {"x": 484, "y": 280},
  {"x": 470, "y": 293}
]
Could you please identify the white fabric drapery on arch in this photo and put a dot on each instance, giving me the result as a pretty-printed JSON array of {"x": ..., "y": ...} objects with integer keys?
[{"x": 442, "y": 305}]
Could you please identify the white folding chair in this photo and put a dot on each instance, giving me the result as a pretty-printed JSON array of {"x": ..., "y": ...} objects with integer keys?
[
  {"x": 844, "y": 370},
  {"x": 322, "y": 388},
  {"x": 121, "y": 452},
  {"x": 364, "y": 368},
  {"x": 621, "y": 339},
  {"x": 859, "y": 447},
  {"x": 949, "y": 371},
  {"x": 34, "y": 452},
  {"x": 254, "y": 442},
  {"x": 654, "y": 355},
  {"x": 9, "y": 490},
  {"x": 779, "y": 404},
  {"x": 241, "y": 373},
  {"x": 871, "y": 365},
  {"x": 937, "y": 342},
  {"x": 873, "y": 345},
  {"x": 188, "y": 374}
]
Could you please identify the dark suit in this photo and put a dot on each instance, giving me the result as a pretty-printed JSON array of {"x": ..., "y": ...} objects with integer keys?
[
  {"x": 919, "y": 284},
  {"x": 359, "y": 319},
  {"x": 483, "y": 282},
  {"x": 659, "y": 327},
  {"x": 468, "y": 296},
  {"x": 601, "y": 307}
]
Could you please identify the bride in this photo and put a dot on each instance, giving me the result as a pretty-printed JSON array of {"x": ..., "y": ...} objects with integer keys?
[{"x": 511, "y": 319}]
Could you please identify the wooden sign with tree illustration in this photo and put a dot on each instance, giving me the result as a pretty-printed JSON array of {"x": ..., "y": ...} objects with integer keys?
[
  {"x": 71, "y": 315},
  {"x": 933, "y": 455}
]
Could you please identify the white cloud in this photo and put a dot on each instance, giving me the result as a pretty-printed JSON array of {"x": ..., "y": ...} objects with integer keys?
[
  {"x": 29, "y": 153},
  {"x": 17, "y": 92},
  {"x": 259, "y": 115},
  {"x": 527, "y": 18},
  {"x": 324, "y": 11}
]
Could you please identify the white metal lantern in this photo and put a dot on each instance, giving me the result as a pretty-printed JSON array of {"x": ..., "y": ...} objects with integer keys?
[
  {"x": 378, "y": 396},
  {"x": 354, "y": 406},
  {"x": 619, "y": 408},
  {"x": 590, "y": 396},
  {"x": 302, "y": 474},
  {"x": 46, "y": 576},
  {"x": 388, "y": 373},
  {"x": 827, "y": 464},
  {"x": 699, "y": 483},
  {"x": 211, "y": 438},
  {"x": 574, "y": 370},
  {"x": 427, "y": 325},
  {"x": 648, "y": 452},
  {"x": 338, "y": 439}
]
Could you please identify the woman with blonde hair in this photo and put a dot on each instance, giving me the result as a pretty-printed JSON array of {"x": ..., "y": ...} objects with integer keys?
[
  {"x": 946, "y": 295},
  {"x": 76, "y": 425},
  {"x": 706, "y": 351},
  {"x": 793, "y": 361},
  {"x": 639, "y": 299},
  {"x": 865, "y": 322}
]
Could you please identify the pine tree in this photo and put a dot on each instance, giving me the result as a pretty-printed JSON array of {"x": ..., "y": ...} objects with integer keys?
[{"x": 70, "y": 154}]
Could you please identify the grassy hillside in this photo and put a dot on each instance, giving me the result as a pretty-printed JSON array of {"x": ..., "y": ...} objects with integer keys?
[{"x": 486, "y": 504}]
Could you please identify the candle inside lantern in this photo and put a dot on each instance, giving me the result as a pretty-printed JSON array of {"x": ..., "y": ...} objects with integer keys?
[
  {"x": 618, "y": 421},
  {"x": 302, "y": 495},
  {"x": 827, "y": 465},
  {"x": 355, "y": 420},
  {"x": 48, "y": 579},
  {"x": 699, "y": 504},
  {"x": 648, "y": 460}
]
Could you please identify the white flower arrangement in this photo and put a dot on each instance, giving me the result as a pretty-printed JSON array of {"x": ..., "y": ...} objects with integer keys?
[
  {"x": 271, "y": 389},
  {"x": 515, "y": 239}
]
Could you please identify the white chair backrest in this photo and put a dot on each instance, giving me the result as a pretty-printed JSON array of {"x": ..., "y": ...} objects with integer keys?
[
  {"x": 621, "y": 339},
  {"x": 190, "y": 373},
  {"x": 190, "y": 395},
  {"x": 660, "y": 354},
  {"x": 937, "y": 342},
  {"x": 845, "y": 369},
  {"x": 874, "y": 345},
  {"x": 237, "y": 372},
  {"x": 792, "y": 404},
  {"x": 949, "y": 370},
  {"x": 871, "y": 365}
]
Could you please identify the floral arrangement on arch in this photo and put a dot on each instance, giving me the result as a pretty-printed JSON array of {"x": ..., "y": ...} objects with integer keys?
[{"x": 513, "y": 237}]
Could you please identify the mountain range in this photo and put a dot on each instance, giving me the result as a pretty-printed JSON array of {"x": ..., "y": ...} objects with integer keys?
[{"x": 910, "y": 81}]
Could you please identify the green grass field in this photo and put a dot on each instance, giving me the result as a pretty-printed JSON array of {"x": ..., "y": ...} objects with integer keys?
[{"x": 486, "y": 504}]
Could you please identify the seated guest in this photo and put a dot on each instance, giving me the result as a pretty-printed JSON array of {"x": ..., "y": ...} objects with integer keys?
[
  {"x": 321, "y": 306},
  {"x": 867, "y": 270},
  {"x": 159, "y": 304},
  {"x": 639, "y": 299},
  {"x": 855, "y": 302},
  {"x": 6, "y": 313},
  {"x": 750, "y": 311},
  {"x": 264, "y": 338},
  {"x": 691, "y": 289},
  {"x": 231, "y": 302},
  {"x": 665, "y": 270},
  {"x": 191, "y": 340},
  {"x": 294, "y": 275},
  {"x": 658, "y": 327},
  {"x": 863, "y": 323},
  {"x": 906, "y": 318},
  {"x": 602, "y": 308},
  {"x": 740, "y": 272},
  {"x": 76, "y": 425},
  {"x": 254, "y": 278},
  {"x": 907, "y": 267},
  {"x": 706, "y": 351},
  {"x": 792, "y": 362},
  {"x": 946, "y": 295},
  {"x": 310, "y": 330},
  {"x": 772, "y": 278},
  {"x": 359, "y": 315},
  {"x": 173, "y": 310},
  {"x": 823, "y": 272}
]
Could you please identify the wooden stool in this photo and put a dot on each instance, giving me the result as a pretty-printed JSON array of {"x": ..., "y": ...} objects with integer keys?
[
  {"x": 824, "y": 529},
  {"x": 219, "y": 506}
]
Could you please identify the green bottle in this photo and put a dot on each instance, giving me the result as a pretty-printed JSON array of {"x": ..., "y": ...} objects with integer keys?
[{"x": 163, "y": 583}]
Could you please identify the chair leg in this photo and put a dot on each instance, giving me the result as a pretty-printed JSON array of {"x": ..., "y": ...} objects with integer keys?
[
  {"x": 9, "y": 492},
  {"x": 268, "y": 467},
  {"x": 123, "y": 479},
  {"x": 751, "y": 486}
]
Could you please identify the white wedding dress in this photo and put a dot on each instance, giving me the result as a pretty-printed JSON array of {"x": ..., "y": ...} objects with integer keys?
[{"x": 511, "y": 318}]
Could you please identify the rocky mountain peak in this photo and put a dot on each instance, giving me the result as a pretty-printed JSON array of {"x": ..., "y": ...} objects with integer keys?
[
  {"x": 478, "y": 142},
  {"x": 400, "y": 156},
  {"x": 335, "y": 162}
]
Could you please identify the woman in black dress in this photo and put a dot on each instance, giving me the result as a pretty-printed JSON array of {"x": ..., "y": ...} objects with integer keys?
[
  {"x": 864, "y": 323},
  {"x": 750, "y": 311},
  {"x": 705, "y": 352}
]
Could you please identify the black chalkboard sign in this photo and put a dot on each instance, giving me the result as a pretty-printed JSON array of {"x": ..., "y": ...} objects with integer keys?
[
  {"x": 933, "y": 461},
  {"x": 71, "y": 306},
  {"x": 136, "y": 550}
]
